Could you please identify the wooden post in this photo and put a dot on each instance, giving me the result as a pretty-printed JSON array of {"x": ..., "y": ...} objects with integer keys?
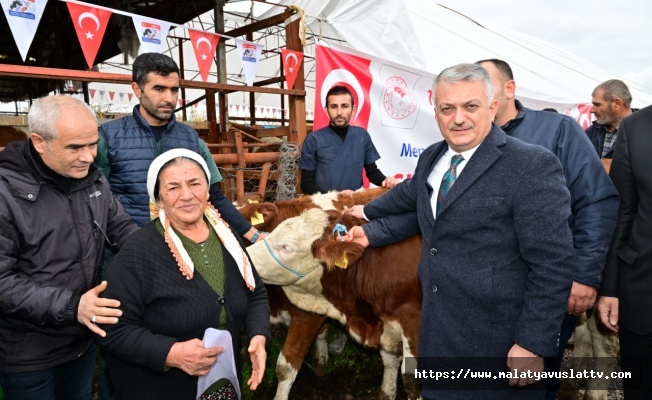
[
  {"x": 218, "y": 16},
  {"x": 213, "y": 132},
  {"x": 182, "y": 74},
  {"x": 297, "y": 104},
  {"x": 242, "y": 163}
]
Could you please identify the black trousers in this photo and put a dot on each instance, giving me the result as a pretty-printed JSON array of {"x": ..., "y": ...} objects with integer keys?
[{"x": 636, "y": 358}]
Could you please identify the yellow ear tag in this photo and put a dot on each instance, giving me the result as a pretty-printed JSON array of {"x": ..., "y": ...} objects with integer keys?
[
  {"x": 257, "y": 218},
  {"x": 252, "y": 201},
  {"x": 343, "y": 263}
]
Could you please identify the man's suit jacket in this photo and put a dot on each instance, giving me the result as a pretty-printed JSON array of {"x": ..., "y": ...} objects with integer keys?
[
  {"x": 628, "y": 273},
  {"x": 496, "y": 267}
]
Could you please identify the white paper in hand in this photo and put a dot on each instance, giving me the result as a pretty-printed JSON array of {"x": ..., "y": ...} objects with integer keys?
[{"x": 224, "y": 367}]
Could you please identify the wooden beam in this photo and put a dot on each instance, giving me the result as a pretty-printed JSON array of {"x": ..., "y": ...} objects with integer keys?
[
  {"x": 258, "y": 25},
  {"x": 92, "y": 76},
  {"x": 278, "y": 79},
  {"x": 64, "y": 74},
  {"x": 250, "y": 158}
]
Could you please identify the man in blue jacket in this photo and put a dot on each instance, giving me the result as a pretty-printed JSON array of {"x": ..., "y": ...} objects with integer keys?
[
  {"x": 594, "y": 199},
  {"x": 333, "y": 157}
]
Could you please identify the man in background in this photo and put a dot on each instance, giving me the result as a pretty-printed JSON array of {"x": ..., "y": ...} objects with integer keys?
[
  {"x": 611, "y": 102},
  {"x": 333, "y": 157}
]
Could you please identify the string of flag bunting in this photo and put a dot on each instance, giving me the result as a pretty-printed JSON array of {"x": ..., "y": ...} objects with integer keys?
[{"x": 91, "y": 21}]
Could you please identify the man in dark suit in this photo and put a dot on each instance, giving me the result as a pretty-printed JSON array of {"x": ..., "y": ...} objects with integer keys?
[
  {"x": 496, "y": 267},
  {"x": 626, "y": 295}
]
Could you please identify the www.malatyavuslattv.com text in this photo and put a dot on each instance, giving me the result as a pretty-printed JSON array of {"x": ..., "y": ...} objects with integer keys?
[{"x": 467, "y": 373}]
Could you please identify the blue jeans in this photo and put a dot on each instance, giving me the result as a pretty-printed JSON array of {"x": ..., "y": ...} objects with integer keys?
[{"x": 70, "y": 381}]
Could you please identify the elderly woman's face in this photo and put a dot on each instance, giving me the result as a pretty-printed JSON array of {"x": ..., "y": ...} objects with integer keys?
[{"x": 183, "y": 193}]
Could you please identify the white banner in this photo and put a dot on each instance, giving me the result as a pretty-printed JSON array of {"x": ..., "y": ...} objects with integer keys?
[
  {"x": 249, "y": 54},
  {"x": 394, "y": 104},
  {"x": 152, "y": 34},
  {"x": 23, "y": 17}
]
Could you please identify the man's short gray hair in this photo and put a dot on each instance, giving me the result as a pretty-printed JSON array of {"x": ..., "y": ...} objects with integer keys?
[
  {"x": 614, "y": 89},
  {"x": 46, "y": 111},
  {"x": 466, "y": 73}
]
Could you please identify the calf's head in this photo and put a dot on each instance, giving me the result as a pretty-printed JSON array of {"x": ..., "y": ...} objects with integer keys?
[{"x": 298, "y": 249}]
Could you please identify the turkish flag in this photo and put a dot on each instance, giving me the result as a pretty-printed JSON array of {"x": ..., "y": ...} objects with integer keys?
[
  {"x": 204, "y": 44},
  {"x": 111, "y": 94},
  {"x": 291, "y": 65},
  {"x": 92, "y": 91},
  {"x": 585, "y": 118},
  {"x": 339, "y": 68},
  {"x": 130, "y": 95},
  {"x": 90, "y": 25}
]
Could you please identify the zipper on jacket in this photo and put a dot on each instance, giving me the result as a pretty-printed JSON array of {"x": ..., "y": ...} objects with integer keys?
[
  {"x": 96, "y": 226},
  {"x": 79, "y": 248}
]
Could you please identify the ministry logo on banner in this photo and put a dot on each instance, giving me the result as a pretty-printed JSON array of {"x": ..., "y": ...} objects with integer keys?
[
  {"x": 394, "y": 104},
  {"x": 23, "y": 17},
  {"x": 151, "y": 33},
  {"x": 22, "y": 9}
]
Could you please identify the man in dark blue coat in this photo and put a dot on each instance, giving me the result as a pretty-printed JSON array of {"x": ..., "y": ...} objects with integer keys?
[
  {"x": 594, "y": 199},
  {"x": 496, "y": 267}
]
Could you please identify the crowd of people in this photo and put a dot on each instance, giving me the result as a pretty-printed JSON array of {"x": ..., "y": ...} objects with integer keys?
[{"x": 122, "y": 237}]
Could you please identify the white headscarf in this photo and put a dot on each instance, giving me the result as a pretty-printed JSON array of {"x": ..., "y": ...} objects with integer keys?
[{"x": 223, "y": 232}]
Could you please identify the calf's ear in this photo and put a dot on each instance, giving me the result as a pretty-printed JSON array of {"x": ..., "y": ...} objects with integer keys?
[
  {"x": 259, "y": 213},
  {"x": 337, "y": 254}
]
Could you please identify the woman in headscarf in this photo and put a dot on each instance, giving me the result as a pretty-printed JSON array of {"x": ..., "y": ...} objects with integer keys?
[{"x": 183, "y": 273}]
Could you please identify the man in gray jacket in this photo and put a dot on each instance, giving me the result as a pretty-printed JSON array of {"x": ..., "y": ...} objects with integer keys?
[{"x": 56, "y": 216}]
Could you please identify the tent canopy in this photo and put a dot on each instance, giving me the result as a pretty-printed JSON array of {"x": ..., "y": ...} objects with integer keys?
[{"x": 430, "y": 37}]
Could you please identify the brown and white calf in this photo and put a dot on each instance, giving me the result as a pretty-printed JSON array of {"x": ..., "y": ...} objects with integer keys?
[
  {"x": 374, "y": 293},
  {"x": 304, "y": 327}
]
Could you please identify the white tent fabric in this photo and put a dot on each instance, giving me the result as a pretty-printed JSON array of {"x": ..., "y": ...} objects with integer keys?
[{"x": 430, "y": 37}]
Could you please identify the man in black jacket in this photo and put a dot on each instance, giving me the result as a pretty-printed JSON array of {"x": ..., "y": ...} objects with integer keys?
[
  {"x": 625, "y": 296},
  {"x": 56, "y": 216},
  {"x": 611, "y": 102}
]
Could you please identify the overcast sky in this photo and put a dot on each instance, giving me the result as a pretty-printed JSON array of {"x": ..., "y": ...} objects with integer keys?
[{"x": 612, "y": 34}]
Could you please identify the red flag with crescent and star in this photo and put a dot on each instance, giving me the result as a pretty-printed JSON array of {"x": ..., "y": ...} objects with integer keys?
[
  {"x": 291, "y": 64},
  {"x": 338, "y": 68},
  {"x": 90, "y": 25},
  {"x": 204, "y": 44}
]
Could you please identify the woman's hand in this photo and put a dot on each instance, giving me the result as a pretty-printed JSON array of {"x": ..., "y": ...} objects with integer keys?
[
  {"x": 192, "y": 358},
  {"x": 258, "y": 356}
]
